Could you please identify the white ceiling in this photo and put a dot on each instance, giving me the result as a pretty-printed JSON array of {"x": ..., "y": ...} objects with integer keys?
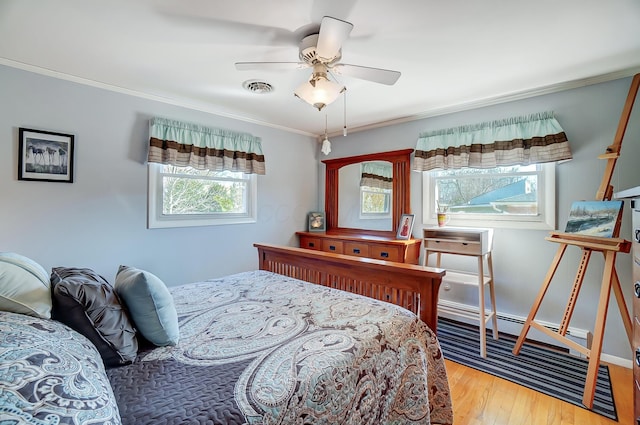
[{"x": 453, "y": 55}]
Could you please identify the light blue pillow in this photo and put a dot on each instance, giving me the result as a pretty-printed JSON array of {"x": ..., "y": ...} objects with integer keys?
[
  {"x": 150, "y": 305},
  {"x": 24, "y": 286}
]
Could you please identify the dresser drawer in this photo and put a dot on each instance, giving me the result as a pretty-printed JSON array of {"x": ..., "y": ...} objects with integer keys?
[
  {"x": 635, "y": 321},
  {"x": 331, "y": 245},
  {"x": 378, "y": 246},
  {"x": 454, "y": 247},
  {"x": 636, "y": 368},
  {"x": 357, "y": 249},
  {"x": 388, "y": 253},
  {"x": 311, "y": 243}
]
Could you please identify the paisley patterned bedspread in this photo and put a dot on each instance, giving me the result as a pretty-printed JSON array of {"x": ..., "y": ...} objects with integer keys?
[{"x": 261, "y": 348}]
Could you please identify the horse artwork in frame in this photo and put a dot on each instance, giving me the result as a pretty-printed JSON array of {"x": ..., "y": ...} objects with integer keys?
[{"x": 45, "y": 156}]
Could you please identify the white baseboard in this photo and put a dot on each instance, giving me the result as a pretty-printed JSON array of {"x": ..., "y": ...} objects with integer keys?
[{"x": 512, "y": 324}]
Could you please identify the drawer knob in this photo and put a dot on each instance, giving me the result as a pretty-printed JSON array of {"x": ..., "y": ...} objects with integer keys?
[
  {"x": 636, "y": 289},
  {"x": 332, "y": 247},
  {"x": 311, "y": 244},
  {"x": 384, "y": 254},
  {"x": 356, "y": 251},
  {"x": 638, "y": 356}
]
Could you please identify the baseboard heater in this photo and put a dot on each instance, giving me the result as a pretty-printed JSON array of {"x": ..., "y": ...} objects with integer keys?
[{"x": 582, "y": 336}]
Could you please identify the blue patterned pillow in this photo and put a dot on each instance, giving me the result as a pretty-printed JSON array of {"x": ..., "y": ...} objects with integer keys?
[
  {"x": 150, "y": 305},
  {"x": 50, "y": 374}
]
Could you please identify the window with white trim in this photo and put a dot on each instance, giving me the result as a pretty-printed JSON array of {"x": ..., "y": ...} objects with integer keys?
[
  {"x": 519, "y": 196},
  {"x": 375, "y": 203},
  {"x": 184, "y": 197}
]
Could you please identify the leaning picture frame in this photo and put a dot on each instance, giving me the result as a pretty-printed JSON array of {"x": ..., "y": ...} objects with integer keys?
[
  {"x": 595, "y": 218},
  {"x": 317, "y": 222},
  {"x": 405, "y": 227},
  {"x": 45, "y": 156}
]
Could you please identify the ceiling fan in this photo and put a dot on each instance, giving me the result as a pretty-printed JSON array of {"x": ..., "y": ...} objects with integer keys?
[{"x": 322, "y": 51}]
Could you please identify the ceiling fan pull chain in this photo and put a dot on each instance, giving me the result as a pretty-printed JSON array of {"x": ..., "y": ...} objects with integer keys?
[
  {"x": 326, "y": 144},
  {"x": 344, "y": 128}
]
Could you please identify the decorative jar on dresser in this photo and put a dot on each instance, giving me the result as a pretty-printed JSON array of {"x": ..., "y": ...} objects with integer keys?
[{"x": 634, "y": 196}]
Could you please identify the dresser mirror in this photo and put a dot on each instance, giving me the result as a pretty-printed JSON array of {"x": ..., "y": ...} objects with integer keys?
[
  {"x": 342, "y": 192},
  {"x": 365, "y": 195}
]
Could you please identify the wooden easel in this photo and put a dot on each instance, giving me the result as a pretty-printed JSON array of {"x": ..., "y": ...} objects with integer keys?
[{"x": 588, "y": 244}]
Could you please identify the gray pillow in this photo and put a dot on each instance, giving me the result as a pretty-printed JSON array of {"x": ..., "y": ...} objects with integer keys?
[
  {"x": 150, "y": 305},
  {"x": 24, "y": 286},
  {"x": 86, "y": 302}
]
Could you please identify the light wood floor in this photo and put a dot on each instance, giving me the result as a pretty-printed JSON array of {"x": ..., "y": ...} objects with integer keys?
[{"x": 483, "y": 399}]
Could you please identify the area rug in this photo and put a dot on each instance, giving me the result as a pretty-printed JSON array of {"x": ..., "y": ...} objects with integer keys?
[{"x": 555, "y": 373}]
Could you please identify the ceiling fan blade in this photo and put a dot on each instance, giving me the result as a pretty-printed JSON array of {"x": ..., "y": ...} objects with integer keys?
[
  {"x": 199, "y": 15},
  {"x": 333, "y": 32},
  {"x": 275, "y": 66},
  {"x": 377, "y": 75}
]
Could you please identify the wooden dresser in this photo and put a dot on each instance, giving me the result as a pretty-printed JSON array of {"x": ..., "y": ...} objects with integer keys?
[
  {"x": 363, "y": 245},
  {"x": 633, "y": 196},
  {"x": 635, "y": 219}
]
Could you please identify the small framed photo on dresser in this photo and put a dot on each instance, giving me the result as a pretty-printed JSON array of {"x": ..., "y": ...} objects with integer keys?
[
  {"x": 317, "y": 222},
  {"x": 405, "y": 226}
]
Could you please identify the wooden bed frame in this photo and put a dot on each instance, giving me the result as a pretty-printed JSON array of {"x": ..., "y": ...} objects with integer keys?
[{"x": 410, "y": 286}]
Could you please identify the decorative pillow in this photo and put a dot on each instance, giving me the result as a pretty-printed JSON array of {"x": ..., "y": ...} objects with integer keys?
[
  {"x": 86, "y": 302},
  {"x": 150, "y": 305},
  {"x": 50, "y": 374},
  {"x": 24, "y": 286}
]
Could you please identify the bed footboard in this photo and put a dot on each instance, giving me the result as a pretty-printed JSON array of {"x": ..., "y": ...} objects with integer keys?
[{"x": 410, "y": 286}]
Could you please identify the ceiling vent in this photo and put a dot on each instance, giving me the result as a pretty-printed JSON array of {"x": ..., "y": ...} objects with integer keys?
[{"x": 256, "y": 86}]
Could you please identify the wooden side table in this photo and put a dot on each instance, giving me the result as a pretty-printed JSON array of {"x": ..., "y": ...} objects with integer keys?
[{"x": 469, "y": 242}]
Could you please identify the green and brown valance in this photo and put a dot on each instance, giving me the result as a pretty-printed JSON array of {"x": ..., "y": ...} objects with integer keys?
[
  {"x": 376, "y": 174},
  {"x": 526, "y": 140},
  {"x": 203, "y": 148}
]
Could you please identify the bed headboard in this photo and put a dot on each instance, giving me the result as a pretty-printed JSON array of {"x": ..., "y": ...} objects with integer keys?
[{"x": 410, "y": 286}]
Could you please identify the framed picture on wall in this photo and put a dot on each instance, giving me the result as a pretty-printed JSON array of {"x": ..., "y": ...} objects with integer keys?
[
  {"x": 317, "y": 222},
  {"x": 45, "y": 156},
  {"x": 405, "y": 227}
]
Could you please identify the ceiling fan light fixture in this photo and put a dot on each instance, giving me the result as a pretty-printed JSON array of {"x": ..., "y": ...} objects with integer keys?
[{"x": 319, "y": 91}]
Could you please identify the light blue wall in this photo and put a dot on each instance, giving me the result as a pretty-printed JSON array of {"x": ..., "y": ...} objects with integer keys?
[
  {"x": 99, "y": 221},
  {"x": 590, "y": 117}
]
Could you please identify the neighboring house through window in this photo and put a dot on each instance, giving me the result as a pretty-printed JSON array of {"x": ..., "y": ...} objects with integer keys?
[
  {"x": 514, "y": 196},
  {"x": 494, "y": 174}
]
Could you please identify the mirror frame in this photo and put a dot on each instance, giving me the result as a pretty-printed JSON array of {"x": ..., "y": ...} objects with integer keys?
[{"x": 401, "y": 160}]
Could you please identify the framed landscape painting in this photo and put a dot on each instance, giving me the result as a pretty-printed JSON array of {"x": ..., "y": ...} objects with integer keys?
[
  {"x": 595, "y": 218},
  {"x": 45, "y": 156}
]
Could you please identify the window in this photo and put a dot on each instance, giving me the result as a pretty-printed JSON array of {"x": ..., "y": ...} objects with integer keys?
[
  {"x": 512, "y": 196},
  {"x": 184, "y": 196},
  {"x": 375, "y": 202}
]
